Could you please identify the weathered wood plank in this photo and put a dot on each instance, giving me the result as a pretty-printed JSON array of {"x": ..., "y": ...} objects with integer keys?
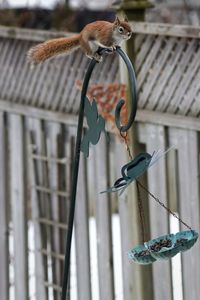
[
  {"x": 166, "y": 119},
  {"x": 158, "y": 68},
  {"x": 190, "y": 104},
  {"x": 36, "y": 215},
  {"x": 167, "y": 77},
  {"x": 4, "y": 263},
  {"x": 11, "y": 69},
  {"x": 82, "y": 236},
  {"x": 146, "y": 68},
  {"x": 157, "y": 184},
  {"x": 130, "y": 236},
  {"x": 103, "y": 223},
  {"x": 67, "y": 102},
  {"x": 18, "y": 201},
  {"x": 166, "y": 29},
  {"x": 188, "y": 187},
  {"x": 56, "y": 105},
  {"x": 184, "y": 85},
  {"x": 53, "y": 130},
  {"x": 29, "y": 34},
  {"x": 144, "y": 52},
  {"x": 42, "y": 198},
  {"x": 38, "y": 113}
]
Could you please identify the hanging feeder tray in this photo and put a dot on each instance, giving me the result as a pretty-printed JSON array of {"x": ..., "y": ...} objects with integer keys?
[
  {"x": 163, "y": 247},
  {"x": 186, "y": 239},
  {"x": 141, "y": 255}
]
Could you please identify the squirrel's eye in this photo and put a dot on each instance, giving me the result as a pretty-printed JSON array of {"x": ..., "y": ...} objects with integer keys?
[{"x": 121, "y": 29}]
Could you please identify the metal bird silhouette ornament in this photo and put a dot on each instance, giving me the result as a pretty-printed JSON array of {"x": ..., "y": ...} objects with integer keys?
[
  {"x": 134, "y": 169},
  {"x": 96, "y": 124}
]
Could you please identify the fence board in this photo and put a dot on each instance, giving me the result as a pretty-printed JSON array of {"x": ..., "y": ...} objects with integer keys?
[
  {"x": 148, "y": 63},
  {"x": 61, "y": 88},
  {"x": 157, "y": 184},
  {"x": 103, "y": 223},
  {"x": 40, "y": 177},
  {"x": 157, "y": 68},
  {"x": 4, "y": 261},
  {"x": 17, "y": 185},
  {"x": 82, "y": 236},
  {"x": 126, "y": 225},
  {"x": 36, "y": 215},
  {"x": 188, "y": 74},
  {"x": 54, "y": 130},
  {"x": 188, "y": 166}
]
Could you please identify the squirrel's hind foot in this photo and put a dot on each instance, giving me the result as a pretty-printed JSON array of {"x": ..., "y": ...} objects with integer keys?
[{"x": 96, "y": 56}]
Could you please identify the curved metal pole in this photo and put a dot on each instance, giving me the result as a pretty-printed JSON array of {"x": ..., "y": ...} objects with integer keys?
[
  {"x": 133, "y": 89},
  {"x": 75, "y": 179},
  {"x": 78, "y": 145}
]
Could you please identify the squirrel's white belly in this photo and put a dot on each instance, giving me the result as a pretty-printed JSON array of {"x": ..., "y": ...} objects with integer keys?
[{"x": 94, "y": 45}]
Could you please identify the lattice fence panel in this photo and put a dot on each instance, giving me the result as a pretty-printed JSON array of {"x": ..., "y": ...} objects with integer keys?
[
  {"x": 50, "y": 86},
  {"x": 168, "y": 73}
]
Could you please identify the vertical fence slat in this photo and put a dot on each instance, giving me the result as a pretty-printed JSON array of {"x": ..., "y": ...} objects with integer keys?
[
  {"x": 38, "y": 207},
  {"x": 82, "y": 236},
  {"x": 103, "y": 222},
  {"x": 126, "y": 224},
  {"x": 157, "y": 184},
  {"x": 188, "y": 167},
  {"x": 36, "y": 214},
  {"x": 4, "y": 274},
  {"x": 136, "y": 279},
  {"x": 52, "y": 152},
  {"x": 17, "y": 186}
]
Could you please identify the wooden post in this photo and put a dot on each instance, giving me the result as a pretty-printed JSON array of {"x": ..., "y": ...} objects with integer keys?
[
  {"x": 103, "y": 223},
  {"x": 137, "y": 281},
  {"x": 134, "y": 9}
]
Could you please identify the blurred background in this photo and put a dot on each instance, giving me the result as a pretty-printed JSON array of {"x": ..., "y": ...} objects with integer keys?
[{"x": 72, "y": 15}]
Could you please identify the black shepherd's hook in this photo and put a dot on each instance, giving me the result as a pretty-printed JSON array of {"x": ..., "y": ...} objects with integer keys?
[
  {"x": 133, "y": 94},
  {"x": 122, "y": 128}
]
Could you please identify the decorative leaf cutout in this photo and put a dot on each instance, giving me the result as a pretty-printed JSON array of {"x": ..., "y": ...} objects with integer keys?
[{"x": 96, "y": 124}]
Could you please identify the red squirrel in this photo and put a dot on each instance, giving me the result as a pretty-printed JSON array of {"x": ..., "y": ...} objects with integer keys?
[{"x": 94, "y": 35}]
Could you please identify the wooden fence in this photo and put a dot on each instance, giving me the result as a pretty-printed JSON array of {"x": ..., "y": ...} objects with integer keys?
[{"x": 38, "y": 128}]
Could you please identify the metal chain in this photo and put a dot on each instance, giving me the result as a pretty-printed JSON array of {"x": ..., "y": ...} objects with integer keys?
[
  {"x": 163, "y": 205},
  {"x": 141, "y": 213},
  {"x": 124, "y": 136}
]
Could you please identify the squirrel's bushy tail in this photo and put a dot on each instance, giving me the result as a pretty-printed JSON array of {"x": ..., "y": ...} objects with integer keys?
[{"x": 43, "y": 51}]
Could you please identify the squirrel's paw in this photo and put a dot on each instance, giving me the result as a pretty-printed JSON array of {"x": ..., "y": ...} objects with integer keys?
[{"x": 98, "y": 57}]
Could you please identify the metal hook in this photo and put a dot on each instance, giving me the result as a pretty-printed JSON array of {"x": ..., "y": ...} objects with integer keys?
[{"x": 133, "y": 90}]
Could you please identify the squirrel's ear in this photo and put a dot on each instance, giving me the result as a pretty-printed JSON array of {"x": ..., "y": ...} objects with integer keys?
[
  {"x": 125, "y": 19},
  {"x": 117, "y": 21}
]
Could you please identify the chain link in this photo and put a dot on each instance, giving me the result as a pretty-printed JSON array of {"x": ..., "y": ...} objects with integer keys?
[
  {"x": 125, "y": 138},
  {"x": 141, "y": 213},
  {"x": 163, "y": 205}
]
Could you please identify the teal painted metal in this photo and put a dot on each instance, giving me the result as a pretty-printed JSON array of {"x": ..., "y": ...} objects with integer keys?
[
  {"x": 134, "y": 169},
  {"x": 123, "y": 128},
  {"x": 163, "y": 247},
  {"x": 96, "y": 124},
  {"x": 141, "y": 255}
]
